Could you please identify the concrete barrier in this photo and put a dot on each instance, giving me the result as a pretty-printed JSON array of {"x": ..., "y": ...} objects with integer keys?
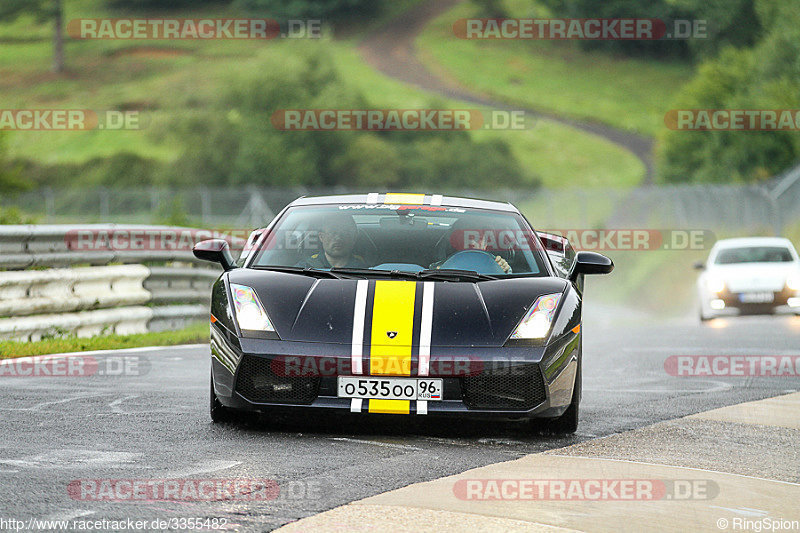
[{"x": 152, "y": 290}]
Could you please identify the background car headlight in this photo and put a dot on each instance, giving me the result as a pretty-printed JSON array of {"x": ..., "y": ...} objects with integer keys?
[
  {"x": 793, "y": 282},
  {"x": 537, "y": 322},
  {"x": 715, "y": 284},
  {"x": 250, "y": 314}
]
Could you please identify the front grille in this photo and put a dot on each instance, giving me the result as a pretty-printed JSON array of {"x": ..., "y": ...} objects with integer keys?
[
  {"x": 519, "y": 387},
  {"x": 258, "y": 383}
]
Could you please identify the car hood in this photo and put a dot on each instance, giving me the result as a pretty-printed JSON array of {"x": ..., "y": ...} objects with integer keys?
[
  {"x": 306, "y": 309},
  {"x": 754, "y": 276}
]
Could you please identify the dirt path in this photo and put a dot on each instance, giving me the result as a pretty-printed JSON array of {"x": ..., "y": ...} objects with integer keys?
[{"x": 391, "y": 50}]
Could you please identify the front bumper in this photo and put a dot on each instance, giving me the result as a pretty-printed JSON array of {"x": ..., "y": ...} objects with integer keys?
[
  {"x": 735, "y": 306},
  {"x": 509, "y": 383}
]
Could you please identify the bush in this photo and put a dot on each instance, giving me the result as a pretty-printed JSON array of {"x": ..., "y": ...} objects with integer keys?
[{"x": 234, "y": 141}]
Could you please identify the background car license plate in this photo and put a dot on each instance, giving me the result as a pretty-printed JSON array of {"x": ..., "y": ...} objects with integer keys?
[
  {"x": 756, "y": 297},
  {"x": 390, "y": 388}
]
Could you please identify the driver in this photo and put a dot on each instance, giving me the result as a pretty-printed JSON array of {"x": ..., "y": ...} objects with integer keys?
[
  {"x": 482, "y": 244},
  {"x": 338, "y": 237}
]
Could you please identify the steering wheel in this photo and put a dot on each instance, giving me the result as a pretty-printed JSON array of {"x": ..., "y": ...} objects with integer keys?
[{"x": 476, "y": 260}]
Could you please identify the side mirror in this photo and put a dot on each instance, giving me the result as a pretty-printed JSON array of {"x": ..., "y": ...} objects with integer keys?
[
  {"x": 590, "y": 263},
  {"x": 699, "y": 266},
  {"x": 216, "y": 251}
]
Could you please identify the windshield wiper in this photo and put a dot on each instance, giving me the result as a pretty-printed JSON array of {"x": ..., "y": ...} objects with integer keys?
[
  {"x": 373, "y": 272},
  {"x": 312, "y": 272},
  {"x": 337, "y": 273},
  {"x": 451, "y": 274}
]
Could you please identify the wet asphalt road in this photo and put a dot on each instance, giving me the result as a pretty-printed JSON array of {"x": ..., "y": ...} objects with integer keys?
[{"x": 156, "y": 426}]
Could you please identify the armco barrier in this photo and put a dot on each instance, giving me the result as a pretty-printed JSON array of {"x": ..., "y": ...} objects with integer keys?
[{"x": 153, "y": 290}]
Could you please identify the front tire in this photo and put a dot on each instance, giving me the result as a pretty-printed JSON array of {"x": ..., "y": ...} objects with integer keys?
[
  {"x": 567, "y": 424},
  {"x": 219, "y": 413}
]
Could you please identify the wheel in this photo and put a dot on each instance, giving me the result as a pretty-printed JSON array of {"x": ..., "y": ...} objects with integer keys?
[
  {"x": 219, "y": 413},
  {"x": 567, "y": 424},
  {"x": 702, "y": 315}
]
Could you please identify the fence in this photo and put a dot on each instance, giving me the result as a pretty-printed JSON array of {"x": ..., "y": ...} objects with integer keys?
[
  {"x": 720, "y": 208},
  {"x": 151, "y": 290}
]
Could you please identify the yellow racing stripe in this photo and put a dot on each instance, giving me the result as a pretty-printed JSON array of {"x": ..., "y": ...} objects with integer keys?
[
  {"x": 390, "y": 407},
  {"x": 392, "y": 328},
  {"x": 404, "y": 198}
]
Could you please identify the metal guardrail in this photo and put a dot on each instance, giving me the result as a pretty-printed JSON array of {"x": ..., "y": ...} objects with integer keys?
[{"x": 152, "y": 290}]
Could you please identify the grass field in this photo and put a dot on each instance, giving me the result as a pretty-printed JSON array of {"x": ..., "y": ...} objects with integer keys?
[
  {"x": 165, "y": 79},
  {"x": 555, "y": 76},
  {"x": 195, "y": 334}
]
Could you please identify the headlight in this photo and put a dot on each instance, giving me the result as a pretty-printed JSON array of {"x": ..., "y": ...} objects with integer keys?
[
  {"x": 250, "y": 314},
  {"x": 537, "y": 322},
  {"x": 793, "y": 282},
  {"x": 715, "y": 284}
]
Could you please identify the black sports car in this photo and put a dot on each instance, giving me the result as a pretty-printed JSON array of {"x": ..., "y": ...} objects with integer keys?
[{"x": 400, "y": 304}]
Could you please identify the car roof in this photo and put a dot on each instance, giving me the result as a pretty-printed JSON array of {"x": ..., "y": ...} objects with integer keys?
[
  {"x": 405, "y": 199},
  {"x": 753, "y": 241}
]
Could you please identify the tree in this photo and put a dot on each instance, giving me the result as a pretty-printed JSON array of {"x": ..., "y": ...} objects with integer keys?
[
  {"x": 42, "y": 10},
  {"x": 766, "y": 76}
]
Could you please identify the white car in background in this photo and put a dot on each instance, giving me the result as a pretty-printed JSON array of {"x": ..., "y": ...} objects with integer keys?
[{"x": 754, "y": 275}]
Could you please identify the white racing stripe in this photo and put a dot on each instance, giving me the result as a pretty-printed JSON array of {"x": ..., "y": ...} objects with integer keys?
[
  {"x": 355, "y": 405},
  {"x": 359, "y": 313},
  {"x": 426, "y": 327}
]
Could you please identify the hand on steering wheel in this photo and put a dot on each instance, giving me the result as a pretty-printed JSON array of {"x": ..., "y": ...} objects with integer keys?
[{"x": 502, "y": 263}]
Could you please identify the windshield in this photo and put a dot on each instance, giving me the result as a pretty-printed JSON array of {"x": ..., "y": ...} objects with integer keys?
[
  {"x": 754, "y": 254},
  {"x": 402, "y": 238}
]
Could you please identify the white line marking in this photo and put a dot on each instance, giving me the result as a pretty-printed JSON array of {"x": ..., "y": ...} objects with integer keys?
[
  {"x": 372, "y": 198},
  {"x": 65, "y": 400},
  {"x": 355, "y": 405},
  {"x": 426, "y": 327},
  {"x": 693, "y": 350},
  {"x": 126, "y": 350},
  {"x": 58, "y": 517},
  {"x": 359, "y": 314},
  {"x": 742, "y": 511},
  {"x": 672, "y": 466},
  {"x": 375, "y": 443},
  {"x": 115, "y": 404},
  {"x": 422, "y": 407},
  {"x": 204, "y": 467},
  {"x": 436, "y": 199}
]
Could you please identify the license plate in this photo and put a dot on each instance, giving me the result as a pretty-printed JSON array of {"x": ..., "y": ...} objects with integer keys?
[
  {"x": 390, "y": 388},
  {"x": 757, "y": 297}
]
